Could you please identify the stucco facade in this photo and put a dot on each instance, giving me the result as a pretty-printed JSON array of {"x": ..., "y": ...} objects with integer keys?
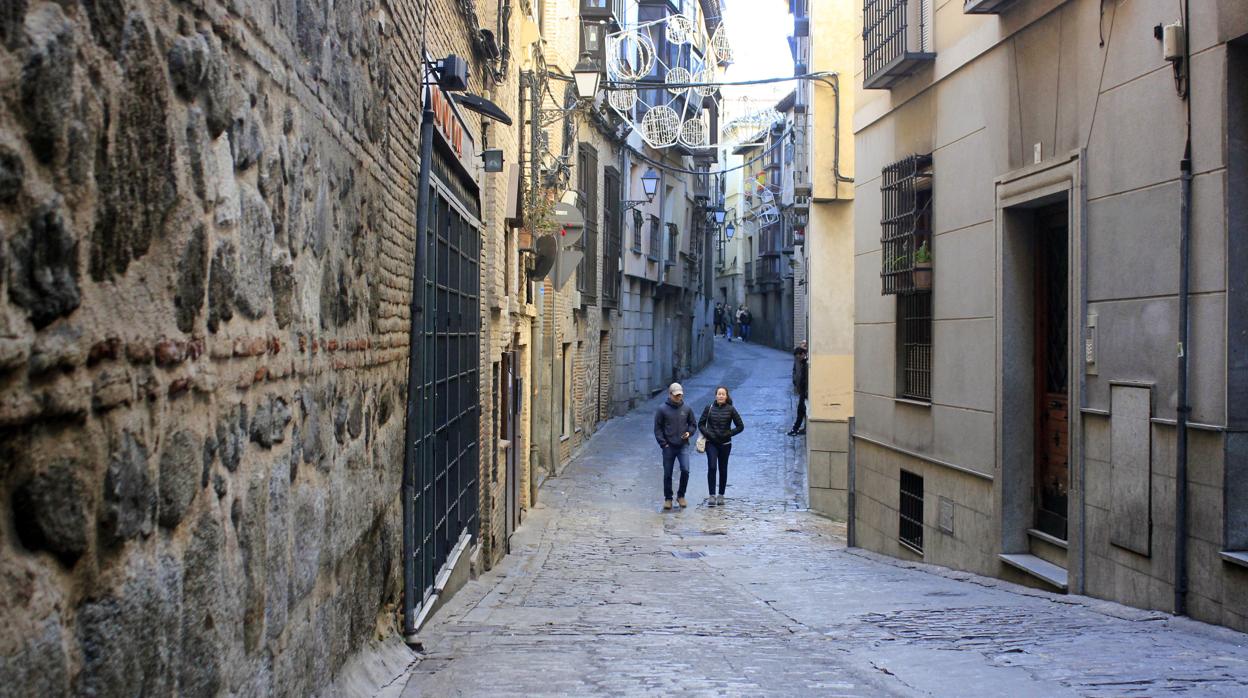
[
  {"x": 825, "y": 260},
  {"x": 1056, "y": 136}
]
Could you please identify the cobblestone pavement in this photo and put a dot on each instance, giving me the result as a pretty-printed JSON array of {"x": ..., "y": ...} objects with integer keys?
[{"x": 604, "y": 593}]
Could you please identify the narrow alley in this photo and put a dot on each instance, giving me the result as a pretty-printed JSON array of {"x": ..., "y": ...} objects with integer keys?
[{"x": 605, "y": 593}]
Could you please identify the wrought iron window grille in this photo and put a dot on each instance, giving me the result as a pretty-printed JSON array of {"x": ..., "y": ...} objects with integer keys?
[
  {"x": 914, "y": 343},
  {"x": 910, "y": 512},
  {"x": 906, "y": 194}
]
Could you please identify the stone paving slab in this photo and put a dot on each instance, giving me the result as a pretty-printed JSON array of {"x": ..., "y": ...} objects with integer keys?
[{"x": 606, "y": 594}]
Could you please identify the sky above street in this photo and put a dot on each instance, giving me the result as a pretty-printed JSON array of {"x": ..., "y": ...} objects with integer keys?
[{"x": 758, "y": 31}]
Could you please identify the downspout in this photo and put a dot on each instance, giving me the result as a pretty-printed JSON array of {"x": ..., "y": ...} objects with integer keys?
[
  {"x": 415, "y": 373},
  {"x": 851, "y": 504},
  {"x": 1183, "y": 409}
]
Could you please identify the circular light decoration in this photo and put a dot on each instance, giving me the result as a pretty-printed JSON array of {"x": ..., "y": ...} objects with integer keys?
[
  {"x": 678, "y": 76},
  {"x": 706, "y": 75},
  {"x": 694, "y": 132},
  {"x": 630, "y": 55},
  {"x": 720, "y": 48},
  {"x": 660, "y": 127},
  {"x": 664, "y": 115},
  {"x": 679, "y": 30},
  {"x": 622, "y": 99}
]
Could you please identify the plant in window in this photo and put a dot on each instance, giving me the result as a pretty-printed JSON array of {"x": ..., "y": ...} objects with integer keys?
[{"x": 923, "y": 268}]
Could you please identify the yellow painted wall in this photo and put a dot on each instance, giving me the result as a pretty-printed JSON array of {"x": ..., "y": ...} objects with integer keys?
[{"x": 835, "y": 41}]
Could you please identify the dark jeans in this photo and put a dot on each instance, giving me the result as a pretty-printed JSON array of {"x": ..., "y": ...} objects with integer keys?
[
  {"x": 801, "y": 413},
  {"x": 717, "y": 459},
  {"x": 745, "y": 331},
  {"x": 670, "y": 455}
]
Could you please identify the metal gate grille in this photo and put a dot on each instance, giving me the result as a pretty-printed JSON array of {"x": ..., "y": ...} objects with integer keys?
[
  {"x": 447, "y": 501},
  {"x": 910, "y": 512}
]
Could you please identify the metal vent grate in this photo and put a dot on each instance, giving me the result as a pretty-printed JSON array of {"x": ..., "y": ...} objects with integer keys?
[{"x": 910, "y": 512}]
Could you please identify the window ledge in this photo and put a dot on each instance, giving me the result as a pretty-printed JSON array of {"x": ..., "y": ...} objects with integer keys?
[
  {"x": 911, "y": 401},
  {"x": 1236, "y": 557},
  {"x": 564, "y": 437}
]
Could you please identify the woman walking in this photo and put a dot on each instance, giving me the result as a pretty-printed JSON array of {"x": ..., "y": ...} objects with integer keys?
[{"x": 719, "y": 423}]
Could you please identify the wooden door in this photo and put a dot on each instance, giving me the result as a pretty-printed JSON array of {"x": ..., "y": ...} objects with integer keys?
[{"x": 1052, "y": 371}]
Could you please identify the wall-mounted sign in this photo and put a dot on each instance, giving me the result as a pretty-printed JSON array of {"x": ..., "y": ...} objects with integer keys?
[{"x": 449, "y": 123}]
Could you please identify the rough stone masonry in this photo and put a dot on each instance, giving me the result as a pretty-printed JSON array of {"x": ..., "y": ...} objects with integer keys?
[{"x": 202, "y": 344}]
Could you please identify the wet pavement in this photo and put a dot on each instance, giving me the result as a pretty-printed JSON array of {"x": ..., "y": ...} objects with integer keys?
[{"x": 604, "y": 593}]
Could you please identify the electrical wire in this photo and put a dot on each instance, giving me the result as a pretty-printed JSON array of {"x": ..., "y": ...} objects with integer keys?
[{"x": 651, "y": 84}]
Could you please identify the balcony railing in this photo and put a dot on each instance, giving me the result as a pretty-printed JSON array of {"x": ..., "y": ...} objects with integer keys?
[
  {"x": 604, "y": 10},
  {"x": 896, "y": 39}
]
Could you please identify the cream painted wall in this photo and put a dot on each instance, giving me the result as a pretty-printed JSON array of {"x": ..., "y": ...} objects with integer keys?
[
  {"x": 836, "y": 30},
  {"x": 831, "y": 284}
]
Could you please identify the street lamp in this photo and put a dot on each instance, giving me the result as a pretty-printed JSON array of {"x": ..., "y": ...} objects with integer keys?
[
  {"x": 649, "y": 184},
  {"x": 587, "y": 74},
  {"x": 730, "y": 230},
  {"x": 720, "y": 213}
]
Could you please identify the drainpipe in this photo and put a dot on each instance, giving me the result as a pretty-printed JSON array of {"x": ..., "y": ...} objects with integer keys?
[
  {"x": 1183, "y": 408},
  {"x": 415, "y": 374},
  {"x": 851, "y": 526}
]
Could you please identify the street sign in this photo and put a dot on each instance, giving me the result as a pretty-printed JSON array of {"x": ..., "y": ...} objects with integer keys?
[{"x": 569, "y": 224}]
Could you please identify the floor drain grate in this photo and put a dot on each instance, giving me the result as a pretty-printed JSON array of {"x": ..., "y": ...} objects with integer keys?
[{"x": 688, "y": 554}]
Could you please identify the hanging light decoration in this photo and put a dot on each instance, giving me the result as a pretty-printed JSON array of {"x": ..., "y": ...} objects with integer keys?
[
  {"x": 660, "y": 127},
  {"x": 670, "y": 114},
  {"x": 622, "y": 100},
  {"x": 694, "y": 133}
]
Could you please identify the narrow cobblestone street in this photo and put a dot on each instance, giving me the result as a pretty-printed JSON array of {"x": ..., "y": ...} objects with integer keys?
[{"x": 604, "y": 593}]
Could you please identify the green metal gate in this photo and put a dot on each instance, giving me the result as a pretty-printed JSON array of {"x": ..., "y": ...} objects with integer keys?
[{"x": 448, "y": 389}]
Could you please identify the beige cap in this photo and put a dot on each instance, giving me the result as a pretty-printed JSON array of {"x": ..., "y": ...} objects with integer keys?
[{"x": 675, "y": 389}]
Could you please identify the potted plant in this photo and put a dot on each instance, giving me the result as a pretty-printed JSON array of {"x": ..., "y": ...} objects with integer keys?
[{"x": 923, "y": 268}]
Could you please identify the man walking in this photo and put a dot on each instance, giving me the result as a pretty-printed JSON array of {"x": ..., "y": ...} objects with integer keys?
[
  {"x": 801, "y": 372},
  {"x": 719, "y": 319},
  {"x": 744, "y": 319},
  {"x": 673, "y": 425}
]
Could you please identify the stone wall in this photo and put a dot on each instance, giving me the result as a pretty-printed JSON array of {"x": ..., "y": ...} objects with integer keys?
[{"x": 205, "y": 259}]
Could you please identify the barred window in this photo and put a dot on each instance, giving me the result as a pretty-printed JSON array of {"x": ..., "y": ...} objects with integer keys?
[
  {"x": 673, "y": 242},
  {"x": 896, "y": 38},
  {"x": 910, "y": 512},
  {"x": 914, "y": 346},
  {"x": 906, "y": 194}
]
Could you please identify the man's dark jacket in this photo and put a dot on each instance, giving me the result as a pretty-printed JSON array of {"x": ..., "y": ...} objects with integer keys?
[
  {"x": 671, "y": 421},
  {"x": 801, "y": 369}
]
